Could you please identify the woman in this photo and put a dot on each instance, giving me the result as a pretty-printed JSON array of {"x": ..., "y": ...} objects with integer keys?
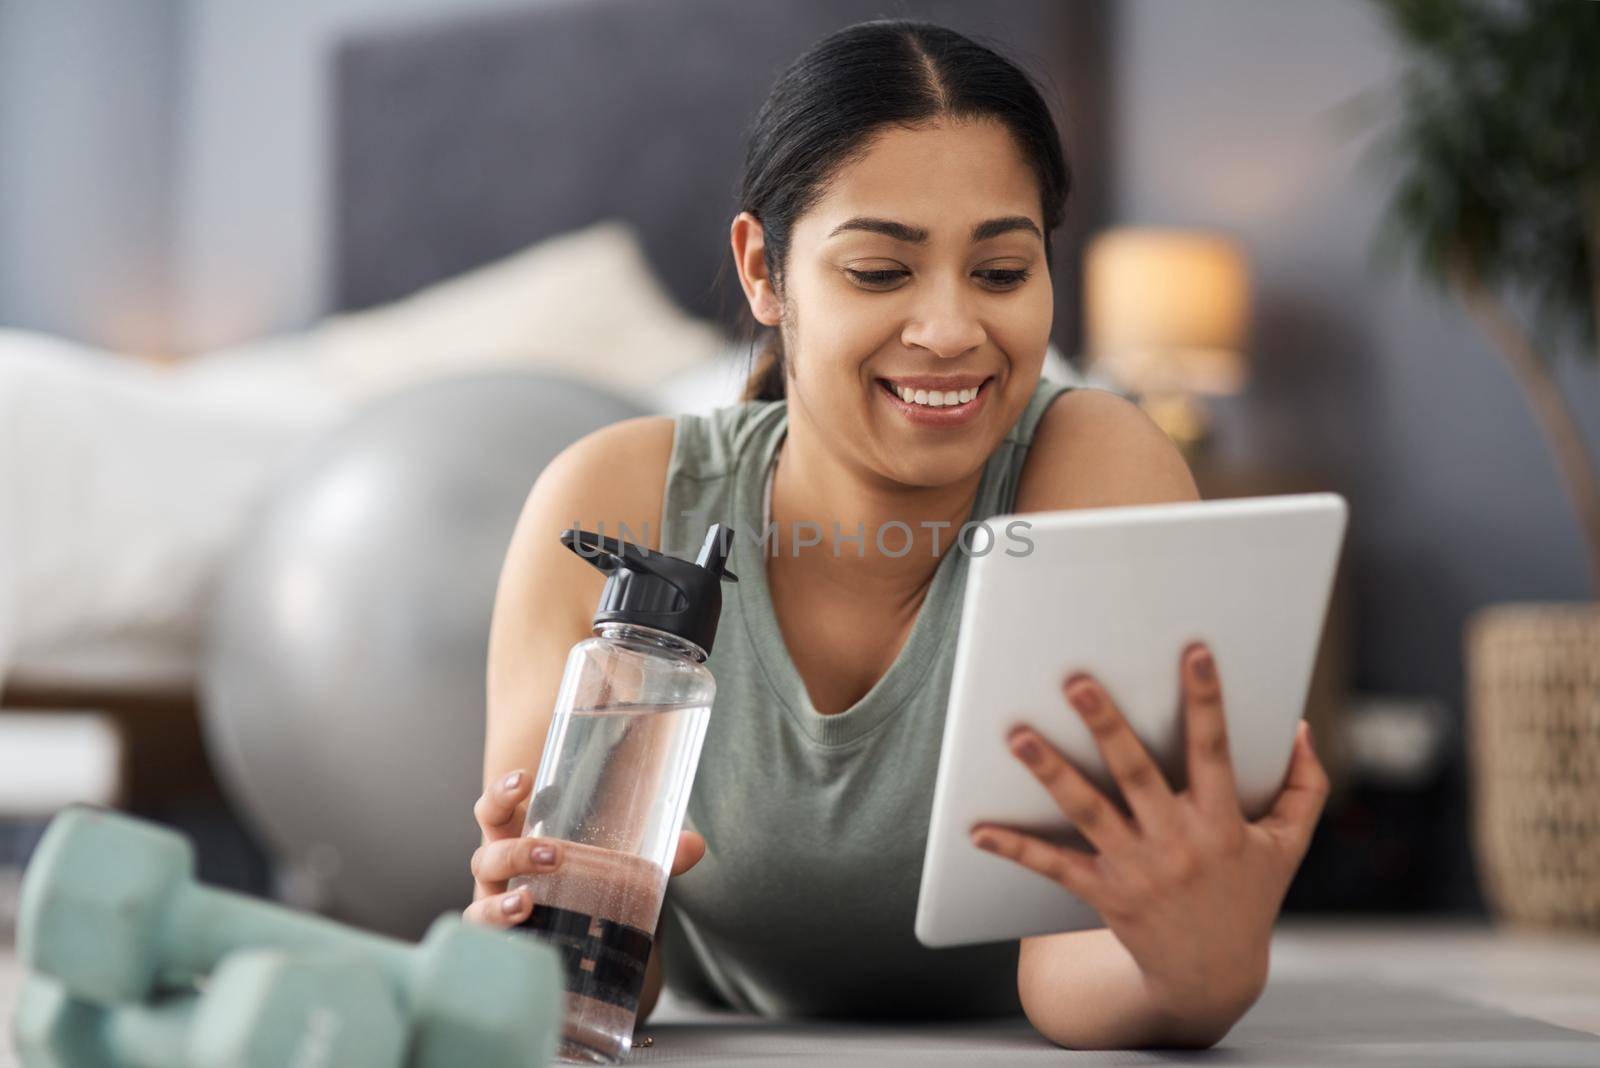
[{"x": 901, "y": 186}]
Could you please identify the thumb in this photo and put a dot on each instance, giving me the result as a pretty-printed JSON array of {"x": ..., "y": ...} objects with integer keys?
[
  {"x": 1294, "y": 815},
  {"x": 691, "y": 848}
]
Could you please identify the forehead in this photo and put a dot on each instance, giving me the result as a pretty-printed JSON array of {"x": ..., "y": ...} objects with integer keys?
[{"x": 945, "y": 176}]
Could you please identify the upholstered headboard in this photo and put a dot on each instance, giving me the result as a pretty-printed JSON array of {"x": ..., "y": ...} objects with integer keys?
[{"x": 461, "y": 140}]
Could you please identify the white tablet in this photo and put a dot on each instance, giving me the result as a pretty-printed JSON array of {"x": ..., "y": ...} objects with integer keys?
[{"x": 1118, "y": 593}]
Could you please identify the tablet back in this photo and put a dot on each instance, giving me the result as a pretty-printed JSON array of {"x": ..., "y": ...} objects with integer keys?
[{"x": 1117, "y": 592}]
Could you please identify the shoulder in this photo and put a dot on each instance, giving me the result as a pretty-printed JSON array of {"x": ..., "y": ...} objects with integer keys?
[
  {"x": 644, "y": 437},
  {"x": 609, "y": 478},
  {"x": 1095, "y": 448},
  {"x": 611, "y": 475}
]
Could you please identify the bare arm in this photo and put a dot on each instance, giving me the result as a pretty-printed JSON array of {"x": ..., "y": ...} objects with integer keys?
[
  {"x": 544, "y": 605},
  {"x": 1188, "y": 890},
  {"x": 1094, "y": 449},
  {"x": 1084, "y": 990},
  {"x": 546, "y": 597}
]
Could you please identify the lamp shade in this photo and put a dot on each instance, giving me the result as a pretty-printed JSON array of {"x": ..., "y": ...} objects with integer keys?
[{"x": 1167, "y": 310}]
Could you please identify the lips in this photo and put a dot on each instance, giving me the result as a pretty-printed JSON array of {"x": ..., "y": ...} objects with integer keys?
[
  {"x": 951, "y": 388},
  {"x": 947, "y": 415}
]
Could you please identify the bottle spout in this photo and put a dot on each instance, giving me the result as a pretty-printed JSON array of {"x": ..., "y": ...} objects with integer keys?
[{"x": 716, "y": 550}]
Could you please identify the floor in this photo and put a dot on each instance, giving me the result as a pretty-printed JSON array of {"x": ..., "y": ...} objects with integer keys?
[
  {"x": 1397, "y": 992},
  {"x": 1546, "y": 976}
]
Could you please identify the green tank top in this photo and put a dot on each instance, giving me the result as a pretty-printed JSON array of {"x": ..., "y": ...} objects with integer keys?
[{"x": 815, "y": 825}]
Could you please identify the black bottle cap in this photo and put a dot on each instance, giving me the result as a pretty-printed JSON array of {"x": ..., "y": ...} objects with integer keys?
[{"x": 653, "y": 589}]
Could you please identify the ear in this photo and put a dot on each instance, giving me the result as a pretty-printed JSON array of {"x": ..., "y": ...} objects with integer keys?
[{"x": 749, "y": 246}]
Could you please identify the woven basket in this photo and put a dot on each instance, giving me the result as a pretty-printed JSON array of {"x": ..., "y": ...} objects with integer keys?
[{"x": 1533, "y": 695}]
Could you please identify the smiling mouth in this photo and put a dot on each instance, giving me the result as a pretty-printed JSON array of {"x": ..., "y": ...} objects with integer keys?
[{"x": 934, "y": 400}]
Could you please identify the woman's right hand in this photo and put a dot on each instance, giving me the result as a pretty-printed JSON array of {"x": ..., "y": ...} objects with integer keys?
[{"x": 505, "y": 853}]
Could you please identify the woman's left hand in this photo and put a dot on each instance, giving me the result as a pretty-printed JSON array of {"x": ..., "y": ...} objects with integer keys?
[{"x": 1184, "y": 882}]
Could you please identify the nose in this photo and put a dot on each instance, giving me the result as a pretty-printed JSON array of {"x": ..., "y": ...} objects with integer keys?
[{"x": 944, "y": 322}]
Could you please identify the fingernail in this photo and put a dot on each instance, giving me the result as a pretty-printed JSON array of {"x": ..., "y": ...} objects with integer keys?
[
  {"x": 544, "y": 854},
  {"x": 511, "y": 904},
  {"x": 1083, "y": 698},
  {"x": 1204, "y": 669},
  {"x": 984, "y": 841},
  {"x": 1306, "y": 730},
  {"x": 1025, "y": 748},
  {"x": 512, "y": 781}
]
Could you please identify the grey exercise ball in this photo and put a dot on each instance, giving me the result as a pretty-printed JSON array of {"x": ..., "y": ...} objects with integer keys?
[{"x": 342, "y": 683}]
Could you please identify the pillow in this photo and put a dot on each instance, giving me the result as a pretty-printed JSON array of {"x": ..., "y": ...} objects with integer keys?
[
  {"x": 704, "y": 387},
  {"x": 583, "y": 304},
  {"x": 121, "y": 485}
]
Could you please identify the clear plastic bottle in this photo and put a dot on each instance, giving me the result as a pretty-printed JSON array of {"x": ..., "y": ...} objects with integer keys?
[{"x": 614, "y": 780}]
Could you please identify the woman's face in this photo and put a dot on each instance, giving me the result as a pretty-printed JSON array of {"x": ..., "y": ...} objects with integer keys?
[{"x": 922, "y": 268}]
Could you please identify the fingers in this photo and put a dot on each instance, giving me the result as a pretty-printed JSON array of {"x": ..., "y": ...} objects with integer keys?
[
  {"x": 1072, "y": 869},
  {"x": 494, "y": 863},
  {"x": 500, "y": 910},
  {"x": 1210, "y": 762},
  {"x": 1141, "y": 781},
  {"x": 1095, "y": 817},
  {"x": 691, "y": 847},
  {"x": 500, "y": 809},
  {"x": 1294, "y": 815}
]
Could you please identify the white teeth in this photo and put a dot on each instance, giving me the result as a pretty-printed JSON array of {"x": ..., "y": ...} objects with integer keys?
[{"x": 936, "y": 398}]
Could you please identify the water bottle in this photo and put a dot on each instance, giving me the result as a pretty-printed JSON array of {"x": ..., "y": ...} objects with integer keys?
[{"x": 614, "y": 780}]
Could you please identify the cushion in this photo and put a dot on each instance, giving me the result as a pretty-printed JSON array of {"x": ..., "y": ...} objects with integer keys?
[{"x": 584, "y": 303}]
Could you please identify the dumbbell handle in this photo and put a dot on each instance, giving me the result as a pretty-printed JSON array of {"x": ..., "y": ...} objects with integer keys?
[
  {"x": 148, "y": 1035},
  {"x": 204, "y": 924},
  {"x": 263, "y": 1009}
]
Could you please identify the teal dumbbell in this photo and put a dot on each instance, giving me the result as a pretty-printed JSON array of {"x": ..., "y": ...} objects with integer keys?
[
  {"x": 259, "y": 1009},
  {"x": 110, "y": 909}
]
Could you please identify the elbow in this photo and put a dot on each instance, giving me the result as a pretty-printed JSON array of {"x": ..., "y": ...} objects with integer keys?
[
  {"x": 1128, "y": 1028},
  {"x": 1204, "y": 1036},
  {"x": 1069, "y": 1031},
  {"x": 1154, "y": 1037},
  {"x": 1205, "y": 1029}
]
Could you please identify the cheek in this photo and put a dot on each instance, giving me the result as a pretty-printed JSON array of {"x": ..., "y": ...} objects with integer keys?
[
  {"x": 850, "y": 320},
  {"x": 829, "y": 372},
  {"x": 1023, "y": 331},
  {"x": 838, "y": 333}
]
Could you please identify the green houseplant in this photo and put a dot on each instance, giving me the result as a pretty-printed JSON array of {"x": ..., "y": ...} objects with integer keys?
[{"x": 1495, "y": 141}]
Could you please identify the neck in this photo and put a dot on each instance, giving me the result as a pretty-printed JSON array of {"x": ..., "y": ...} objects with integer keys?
[{"x": 813, "y": 490}]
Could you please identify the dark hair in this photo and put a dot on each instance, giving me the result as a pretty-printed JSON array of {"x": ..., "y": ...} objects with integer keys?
[{"x": 823, "y": 109}]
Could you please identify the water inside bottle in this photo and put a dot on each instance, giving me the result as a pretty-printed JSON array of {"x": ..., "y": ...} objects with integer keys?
[{"x": 613, "y": 785}]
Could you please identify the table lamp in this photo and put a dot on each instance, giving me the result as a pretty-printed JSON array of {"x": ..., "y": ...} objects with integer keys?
[{"x": 1166, "y": 313}]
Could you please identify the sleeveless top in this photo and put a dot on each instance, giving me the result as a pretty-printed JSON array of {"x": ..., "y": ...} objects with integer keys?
[{"x": 815, "y": 825}]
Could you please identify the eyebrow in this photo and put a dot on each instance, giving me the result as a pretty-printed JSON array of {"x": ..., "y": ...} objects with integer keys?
[{"x": 916, "y": 235}]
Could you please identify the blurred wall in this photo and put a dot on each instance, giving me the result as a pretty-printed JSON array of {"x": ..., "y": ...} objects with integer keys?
[
  {"x": 255, "y": 170},
  {"x": 1225, "y": 118},
  {"x": 89, "y": 93},
  {"x": 163, "y": 164}
]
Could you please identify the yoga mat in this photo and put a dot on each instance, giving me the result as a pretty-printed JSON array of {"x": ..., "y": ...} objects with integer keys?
[{"x": 1296, "y": 1022}]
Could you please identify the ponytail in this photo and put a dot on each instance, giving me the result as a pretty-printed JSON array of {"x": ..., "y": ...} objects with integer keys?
[{"x": 766, "y": 381}]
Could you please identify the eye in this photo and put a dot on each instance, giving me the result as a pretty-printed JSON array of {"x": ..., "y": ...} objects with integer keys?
[
  {"x": 1006, "y": 279},
  {"x": 875, "y": 278},
  {"x": 881, "y": 279}
]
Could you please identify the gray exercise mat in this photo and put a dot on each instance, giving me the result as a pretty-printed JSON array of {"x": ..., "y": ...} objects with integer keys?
[{"x": 1296, "y": 1022}]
